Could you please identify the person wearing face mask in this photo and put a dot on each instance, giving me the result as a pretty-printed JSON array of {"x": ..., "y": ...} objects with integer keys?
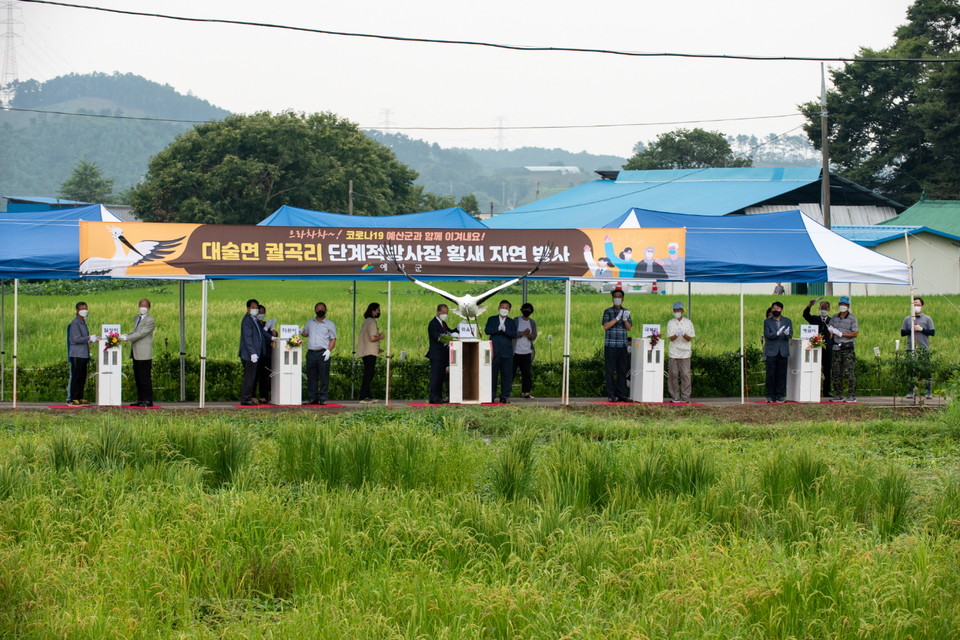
[
  {"x": 251, "y": 346},
  {"x": 777, "y": 331},
  {"x": 919, "y": 329},
  {"x": 523, "y": 349},
  {"x": 502, "y": 331},
  {"x": 623, "y": 261},
  {"x": 680, "y": 332},
  {"x": 78, "y": 354},
  {"x": 438, "y": 352},
  {"x": 616, "y": 323},
  {"x": 262, "y": 384},
  {"x": 674, "y": 264},
  {"x": 141, "y": 350},
  {"x": 321, "y": 335},
  {"x": 368, "y": 348},
  {"x": 826, "y": 354},
  {"x": 650, "y": 267},
  {"x": 845, "y": 329}
]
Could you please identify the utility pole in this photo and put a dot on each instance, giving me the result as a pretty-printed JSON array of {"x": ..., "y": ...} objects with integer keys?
[
  {"x": 9, "y": 75},
  {"x": 825, "y": 156}
]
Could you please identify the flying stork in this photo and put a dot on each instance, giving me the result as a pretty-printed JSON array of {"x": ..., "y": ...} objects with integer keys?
[{"x": 143, "y": 251}]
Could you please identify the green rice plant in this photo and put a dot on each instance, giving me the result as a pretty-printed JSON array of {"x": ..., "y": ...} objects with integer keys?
[
  {"x": 601, "y": 472},
  {"x": 225, "y": 452},
  {"x": 566, "y": 482},
  {"x": 945, "y": 512},
  {"x": 511, "y": 474},
  {"x": 11, "y": 477},
  {"x": 894, "y": 497},
  {"x": 360, "y": 457},
  {"x": 113, "y": 447},
  {"x": 650, "y": 470},
  {"x": 693, "y": 469},
  {"x": 182, "y": 442},
  {"x": 774, "y": 481},
  {"x": 64, "y": 453},
  {"x": 807, "y": 470},
  {"x": 407, "y": 458}
]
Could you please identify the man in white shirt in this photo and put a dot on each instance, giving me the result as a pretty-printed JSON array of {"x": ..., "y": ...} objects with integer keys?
[
  {"x": 680, "y": 332},
  {"x": 321, "y": 335}
]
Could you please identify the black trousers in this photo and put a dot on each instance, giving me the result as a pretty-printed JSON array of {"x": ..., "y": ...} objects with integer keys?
[
  {"x": 369, "y": 367},
  {"x": 142, "y": 378},
  {"x": 78, "y": 378},
  {"x": 438, "y": 375},
  {"x": 318, "y": 376},
  {"x": 249, "y": 378},
  {"x": 616, "y": 361},
  {"x": 263, "y": 376},
  {"x": 502, "y": 368},
  {"x": 777, "y": 377},
  {"x": 523, "y": 362}
]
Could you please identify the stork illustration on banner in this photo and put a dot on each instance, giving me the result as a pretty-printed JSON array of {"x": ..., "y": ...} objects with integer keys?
[
  {"x": 467, "y": 307},
  {"x": 143, "y": 251}
]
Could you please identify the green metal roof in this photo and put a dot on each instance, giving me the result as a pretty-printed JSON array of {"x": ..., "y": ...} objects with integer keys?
[{"x": 942, "y": 215}]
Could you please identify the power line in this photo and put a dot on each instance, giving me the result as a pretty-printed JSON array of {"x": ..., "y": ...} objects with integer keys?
[
  {"x": 394, "y": 128},
  {"x": 492, "y": 45}
]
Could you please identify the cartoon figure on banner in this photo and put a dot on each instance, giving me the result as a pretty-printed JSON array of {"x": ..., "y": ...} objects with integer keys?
[
  {"x": 143, "y": 251},
  {"x": 599, "y": 268},
  {"x": 650, "y": 268},
  {"x": 674, "y": 263},
  {"x": 623, "y": 261},
  {"x": 467, "y": 306}
]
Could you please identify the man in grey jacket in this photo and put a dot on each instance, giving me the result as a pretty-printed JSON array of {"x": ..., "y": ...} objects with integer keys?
[
  {"x": 777, "y": 331},
  {"x": 141, "y": 350},
  {"x": 78, "y": 354}
]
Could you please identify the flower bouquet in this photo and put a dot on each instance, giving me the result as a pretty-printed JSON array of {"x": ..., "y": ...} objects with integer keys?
[
  {"x": 111, "y": 341},
  {"x": 654, "y": 338},
  {"x": 294, "y": 341},
  {"x": 816, "y": 342}
]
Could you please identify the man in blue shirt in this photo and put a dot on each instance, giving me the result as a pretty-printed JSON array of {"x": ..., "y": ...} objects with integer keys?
[{"x": 616, "y": 324}]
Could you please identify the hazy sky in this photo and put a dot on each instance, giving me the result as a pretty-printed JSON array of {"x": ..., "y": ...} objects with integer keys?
[{"x": 372, "y": 82}]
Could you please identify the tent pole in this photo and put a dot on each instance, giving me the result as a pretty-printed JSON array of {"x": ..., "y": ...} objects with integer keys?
[
  {"x": 389, "y": 352},
  {"x": 183, "y": 345},
  {"x": 353, "y": 343},
  {"x": 203, "y": 343},
  {"x": 16, "y": 309},
  {"x": 689, "y": 299},
  {"x": 906, "y": 240},
  {"x": 3, "y": 338},
  {"x": 743, "y": 354},
  {"x": 565, "y": 391}
]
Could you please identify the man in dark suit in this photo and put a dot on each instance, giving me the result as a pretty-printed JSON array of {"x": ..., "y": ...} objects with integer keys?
[
  {"x": 251, "y": 346},
  {"x": 502, "y": 331},
  {"x": 438, "y": 353},
  {"x": 777, "y": 331},
  {"x": 141, "y": 350}
]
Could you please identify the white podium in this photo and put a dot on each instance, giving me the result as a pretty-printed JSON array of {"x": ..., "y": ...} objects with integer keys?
[
  {"x": 286, "y": 366},
  {"x": 471, "y": 371},
  {"x": 803, "y": 372},
  {"x": 646, "y": 370},
  {"x": 109, "y": 369}
]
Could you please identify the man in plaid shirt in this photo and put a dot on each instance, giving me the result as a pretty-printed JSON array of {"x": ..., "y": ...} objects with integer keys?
[{"x": 616, "y": 324}]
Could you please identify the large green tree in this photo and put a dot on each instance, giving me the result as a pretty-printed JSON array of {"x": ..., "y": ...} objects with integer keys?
[
  {"x": 241, "y": 169},
  {"x": 686, "y": 149},
  {"x": 87, "y": 184},
  {"x": 895, "y": 126}
]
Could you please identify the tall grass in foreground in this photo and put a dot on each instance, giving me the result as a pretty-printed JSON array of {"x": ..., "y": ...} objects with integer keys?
[{"x": 402, "y": 524}]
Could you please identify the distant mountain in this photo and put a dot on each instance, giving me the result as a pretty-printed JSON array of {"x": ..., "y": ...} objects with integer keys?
[{"x": 40, "y": 150}]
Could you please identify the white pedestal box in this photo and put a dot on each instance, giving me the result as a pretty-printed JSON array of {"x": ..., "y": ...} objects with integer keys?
[
  {"x": 286, "y": 367},
  {"x": 803, "y": 372},
  {"x": 109, "y": 369},
  {"x": 471, "y": 372},
  {"x": 646, "y": 370}
]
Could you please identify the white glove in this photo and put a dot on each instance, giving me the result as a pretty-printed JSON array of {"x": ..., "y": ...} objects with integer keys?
[
  {"x": 620, "y": 316},
  {"x": 94, "y": 338},
  {"x": 626, "y": 315},
  {"x": 326, "y": 355},
  {"x": 836, "y": 332},
  {"x": 254, "y": 358},
  {"x": 123, "y": 337},
  {"x": 781, "y": 330},
  {"x": 679, "y": 333}
]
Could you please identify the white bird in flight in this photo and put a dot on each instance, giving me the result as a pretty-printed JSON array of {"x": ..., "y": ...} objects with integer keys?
[
  {"x": 143, "y": 251},
  {"x": 468, "y": 307}
]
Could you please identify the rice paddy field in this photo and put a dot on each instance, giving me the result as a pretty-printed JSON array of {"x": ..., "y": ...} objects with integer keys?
[{"x": 481, "y": 523}]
